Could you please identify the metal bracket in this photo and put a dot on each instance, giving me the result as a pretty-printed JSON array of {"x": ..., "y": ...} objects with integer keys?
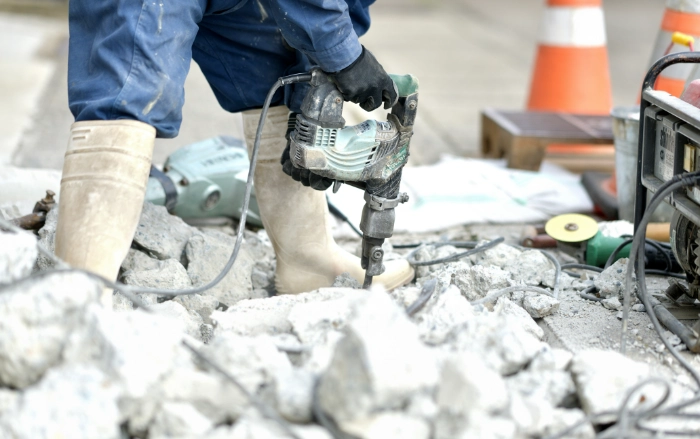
[{"x": 381, "y": 203}]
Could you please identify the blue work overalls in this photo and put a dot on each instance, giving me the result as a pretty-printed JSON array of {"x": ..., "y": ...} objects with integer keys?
[{"x": 128, "y": 59}]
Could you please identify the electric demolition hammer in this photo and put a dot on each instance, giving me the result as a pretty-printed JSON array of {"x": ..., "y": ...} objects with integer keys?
[{"x": 369, "y": 156}]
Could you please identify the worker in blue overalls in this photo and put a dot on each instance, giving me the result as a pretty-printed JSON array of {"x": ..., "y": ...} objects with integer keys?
[{"x": 128, "y": 60}]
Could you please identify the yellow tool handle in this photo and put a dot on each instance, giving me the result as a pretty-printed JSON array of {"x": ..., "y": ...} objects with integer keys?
[
  {"x": 659, "y": 232},
  {"x": 682, "y": 39}
]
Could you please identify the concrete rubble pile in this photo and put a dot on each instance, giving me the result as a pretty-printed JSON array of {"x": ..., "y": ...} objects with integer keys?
[{"x": 351, "y": 357}]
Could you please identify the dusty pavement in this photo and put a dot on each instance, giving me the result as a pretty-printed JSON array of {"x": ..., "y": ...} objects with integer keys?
[{"x": 524, "y": 365}]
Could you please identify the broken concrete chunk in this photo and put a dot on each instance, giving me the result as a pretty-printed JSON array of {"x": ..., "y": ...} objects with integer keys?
[
  {"x": 316, "y": 358},
  {"x": 434, "y": 252},
  {"x": 77, "y": 402},
  {"x": 161, "y": 234},
  {"x": 483, "y": 279},
  {"x": 500, "y": 342},
  {"x": 135, "y": 348},
  {"x": 168, "y": 275},
  {"x": 496, "y": 427},
  {"x": 311, "y": 321},
  {"x": 190, "y": 320},
  {"x": 530, "y": 414},
  {"x": 462, "y": 279},
  {"x": 177, "y": 419},
  {"x": 389, "y": 425},
  {"x": 253, "y": 426},
  {"x": 639, "y": 307},
  {"x": 405, "y": 296},
  {"x": 562, "y": 419},
  {"x": 206, "y": 332},
  {"x": 423, "y": 406},
  {"x": 269, "y": 315},
  {"x": 565, "y": 281},
  {"x": 261, "y": 279},
  {"x": 444, "y": 251},
  {"x": 439, "y": 316},
  {"x": 529, "y": 267},
  {"x": 423, "y": 253},
  {"x": 201, "y": 304},
  {"x": 612, "y": 303},
  {"x": 603, "y": 379},
  {"x": 551, "y": 359},
  {"x": 288, "y": 343},
  {"x": 253, "y": 360},
  {"x": 450, "y": 425},
  {"x": 518, "y": 315},
  {"x": 555, "y": 387},
  {"x": 18, "y": 253},
  {"x": 139, "y": 261},
  {"x": 8, "y": 400},
  {"x": 211, "y": 394},
  {"x": 466, "y": 374},
  {"x": 540, "y": 305},
  {"x": 36, "y": 318},
  {"x": 497, "y": 256},
  {"x": 260, "y": 248},
  {"x": 379, "y": 363},
  {"x": 294, "y": 390},
  {"x": 611, "y": 282},
  {"x": 121, "y": 303},
  {"x": 207, "y": 254}
]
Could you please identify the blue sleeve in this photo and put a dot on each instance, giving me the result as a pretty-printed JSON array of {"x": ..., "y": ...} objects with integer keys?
[
  {"x": 359, "y": 14},
  {"x": 321, "y": 29}
]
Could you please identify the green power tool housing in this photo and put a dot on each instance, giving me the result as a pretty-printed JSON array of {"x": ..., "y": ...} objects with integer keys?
[
  {"x": 204, "y": 180},
  {"x": 369, "y": 156}
]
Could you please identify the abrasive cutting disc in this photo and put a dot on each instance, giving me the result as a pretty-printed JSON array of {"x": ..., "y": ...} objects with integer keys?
[{"x": 572, "y": 227}]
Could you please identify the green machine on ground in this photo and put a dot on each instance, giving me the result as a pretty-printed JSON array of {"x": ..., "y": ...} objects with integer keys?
[{"x": 204, "y": 180}]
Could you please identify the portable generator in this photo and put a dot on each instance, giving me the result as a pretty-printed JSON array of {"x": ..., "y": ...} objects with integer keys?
[{"x": 669, "y": 145}]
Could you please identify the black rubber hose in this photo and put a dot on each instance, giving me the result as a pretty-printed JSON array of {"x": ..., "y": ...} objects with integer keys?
[
  {"x": 425, "y": 295},
  {"x": 453, "y": 257}
]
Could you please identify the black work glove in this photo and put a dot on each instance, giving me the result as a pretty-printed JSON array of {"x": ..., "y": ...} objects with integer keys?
[
  {"x": 304, "y": 176},
  {"x": 366, "y": 83}
]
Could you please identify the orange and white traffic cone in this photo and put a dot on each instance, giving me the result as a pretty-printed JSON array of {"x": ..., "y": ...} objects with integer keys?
[
  {"x": 571, "y": 71},
  {"x": 680, "y": 17}
]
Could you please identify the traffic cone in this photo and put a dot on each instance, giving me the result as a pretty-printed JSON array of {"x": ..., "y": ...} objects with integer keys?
[
  {"x": 571, "y": 70},
  {"x": 679, "y": 17}
]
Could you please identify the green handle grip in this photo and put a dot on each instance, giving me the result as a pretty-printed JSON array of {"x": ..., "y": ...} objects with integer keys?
[
  {"x": 406, "y": 84},
  {"x": 599, "y": 248}
]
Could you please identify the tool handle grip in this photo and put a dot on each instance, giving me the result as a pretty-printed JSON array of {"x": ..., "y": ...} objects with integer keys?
[
  {"x": 659, "y": 232},
  {"x": 405, "y": 84}
]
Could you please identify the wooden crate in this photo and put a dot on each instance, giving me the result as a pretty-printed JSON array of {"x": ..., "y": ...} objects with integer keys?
[{"x": 523, "y": 138}]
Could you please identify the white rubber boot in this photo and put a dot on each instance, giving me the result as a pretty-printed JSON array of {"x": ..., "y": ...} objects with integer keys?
[
  {"x": 296, "y": 219},
  {"x": 102, "y": 191}
]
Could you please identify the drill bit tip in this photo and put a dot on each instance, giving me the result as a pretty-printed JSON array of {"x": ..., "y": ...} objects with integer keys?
[{"x": 368, "y": 282}]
